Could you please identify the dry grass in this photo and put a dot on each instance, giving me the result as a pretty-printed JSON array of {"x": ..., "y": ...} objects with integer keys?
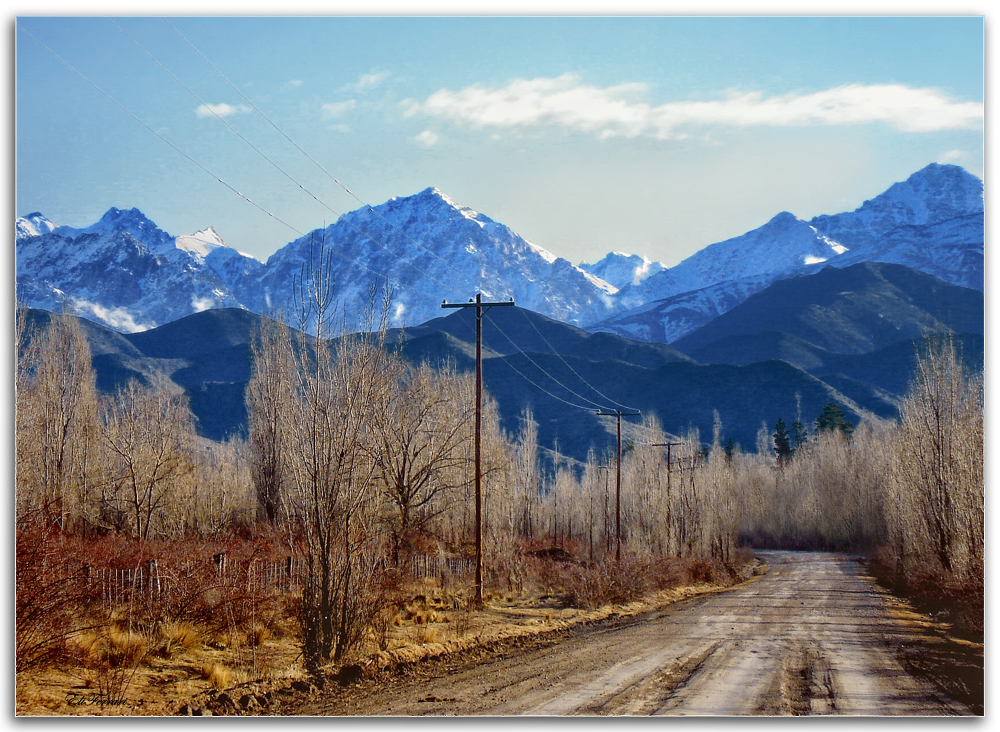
[
  {"x": 218, "y": 675},
  {"x": 427, "y": 634},
  {"x": 177, "y": 637},
  {"x": 184, "y": 635},
  {"x": 259, "y": 634},
  {"x": 178, "y": 661},
  {"x": 124, "y": 649}
]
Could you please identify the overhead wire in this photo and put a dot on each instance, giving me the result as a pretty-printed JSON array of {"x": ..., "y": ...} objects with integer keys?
[
  {"x": 575, "y": 373},
  {"x": 533, "y": 363},
  {"x": 363, "y": 203},
  {"x": 367, "y": 236},
  {"x": 157, "y": 134},
  {"x": 257, "y": 150},
  {"x": 204, "y": 168},
  {"x": 303, "y": 151}
]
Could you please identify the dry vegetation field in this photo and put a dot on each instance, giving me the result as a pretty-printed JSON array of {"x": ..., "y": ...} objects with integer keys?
[
  {"x": 152, "y": 565},
  {"x": 239, "y": 649}
]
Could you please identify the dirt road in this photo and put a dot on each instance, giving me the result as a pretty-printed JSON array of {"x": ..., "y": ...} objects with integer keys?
[{"x": 809, "y": 638}]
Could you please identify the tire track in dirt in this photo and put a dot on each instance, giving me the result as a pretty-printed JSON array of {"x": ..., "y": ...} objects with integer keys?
[{"x": 809, "y": 638}]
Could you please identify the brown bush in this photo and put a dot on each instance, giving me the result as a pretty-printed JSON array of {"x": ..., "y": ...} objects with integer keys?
[
  {"x": 934, "y": 590},
  {"x": 50, "y": 587}
]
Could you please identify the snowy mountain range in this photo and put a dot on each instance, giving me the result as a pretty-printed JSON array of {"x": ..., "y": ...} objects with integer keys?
[
  {"x": 932, "y": 222},
  {"x": 126, "y": 273}
]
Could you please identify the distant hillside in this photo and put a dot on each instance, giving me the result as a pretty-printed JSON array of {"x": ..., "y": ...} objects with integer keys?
[
  {"x": 853, "y": 310},
  {"x": 562, "y": 373}
]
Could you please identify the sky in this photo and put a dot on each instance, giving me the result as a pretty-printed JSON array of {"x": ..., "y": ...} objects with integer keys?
[{"x": 644, "y": 134}]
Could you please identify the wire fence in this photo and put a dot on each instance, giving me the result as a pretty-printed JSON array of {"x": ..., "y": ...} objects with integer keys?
[{"x": 116, "y": 587}]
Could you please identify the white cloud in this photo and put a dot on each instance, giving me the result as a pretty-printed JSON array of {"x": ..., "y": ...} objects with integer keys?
[
  {"x": 614, "y": 111},
  {"x": 333, "y": 110},
  {"x": 201, "y": 304},
  {"x": 367, "y": 81},
  {"x": 293, "y": 83},
  {"x": 427, "y": 138},
  {"x": 220, "y": 110},
  {"x": 951, "y": 156},
  {"x": 117, "y": 318}
]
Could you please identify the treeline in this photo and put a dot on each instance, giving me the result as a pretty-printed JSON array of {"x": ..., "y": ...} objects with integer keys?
[
  {"x": 356, "y": 461},
  {"x": 909, "y": 492}
]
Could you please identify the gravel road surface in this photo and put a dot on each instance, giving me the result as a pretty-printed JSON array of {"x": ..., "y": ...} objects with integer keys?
[{"x": 809, "y": 638}]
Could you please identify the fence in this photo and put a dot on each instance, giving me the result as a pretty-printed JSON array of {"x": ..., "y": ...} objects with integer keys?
[
  {"x": 116, "y": 587},
  {"x": 426, "y": 565}
]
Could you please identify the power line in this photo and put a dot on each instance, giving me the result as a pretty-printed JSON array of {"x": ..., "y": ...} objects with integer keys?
[
  {"x": 303, "y": 151},
  {"x": 506, "y": 361},
  {"x": 533, "y": 363},
  {"x": 339, "y": 254},
  {"x": 161, "y": 137},
  {"x": 268, "y": 159},
  {"x": 378, "y": 275},
  {"x": 575, "y": 373}
]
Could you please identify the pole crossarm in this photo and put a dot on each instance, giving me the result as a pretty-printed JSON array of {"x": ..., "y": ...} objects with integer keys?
[{"x": 479, "y": 305}]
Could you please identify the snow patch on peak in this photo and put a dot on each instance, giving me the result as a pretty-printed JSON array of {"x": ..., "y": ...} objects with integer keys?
[
  {"x": 121, "y": 319},
  {"x": 436, "y": 193},
  {"x": 783, "y": 219},
  {"x": 201, "y": 243},
  {"x": 201, "y": 304},
  {"x": 621, "y": 269},
  {"x": 543, "y": 253},
  {"x": 598, "y": 282},
  {"x": 34, "y": 224}
]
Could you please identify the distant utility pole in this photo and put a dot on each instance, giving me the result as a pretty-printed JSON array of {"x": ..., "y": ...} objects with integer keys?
[
  {"x": 478, "y": 304},
  {"x": 618, "y": 479},
  {"x": 667, "y": 445}
]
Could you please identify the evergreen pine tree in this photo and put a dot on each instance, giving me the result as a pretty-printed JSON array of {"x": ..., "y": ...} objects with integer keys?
[
  {"x": 799, "y": 435},
  {"x": 833, "y": 419},
  {"x": 782, "y": 443}
]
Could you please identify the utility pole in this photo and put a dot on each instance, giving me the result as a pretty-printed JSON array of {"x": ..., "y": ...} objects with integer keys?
[
  {"x": 667, "y": 445},
  {"x": 478, "y": 304},
  {"x": 618, "y": 479}
]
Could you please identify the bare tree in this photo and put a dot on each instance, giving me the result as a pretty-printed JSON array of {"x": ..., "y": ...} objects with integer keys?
[
  {"x": 56, "y": 417},
  {"x": 937, "y": 478},
  {"x": 268, "y": 396},
  {"x": 148, "y": 434},
  {"x": 418, "y": 443},
  {"x": 338, "y": 386}
]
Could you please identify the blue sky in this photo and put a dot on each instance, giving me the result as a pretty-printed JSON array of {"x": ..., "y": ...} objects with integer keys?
[{"x": 652, "y": 135}]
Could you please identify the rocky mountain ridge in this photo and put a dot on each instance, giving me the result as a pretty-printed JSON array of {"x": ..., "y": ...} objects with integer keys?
[{"x": 126, "y": 273}]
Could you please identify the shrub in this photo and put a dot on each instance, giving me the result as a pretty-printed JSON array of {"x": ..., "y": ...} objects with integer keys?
[{"x": 217, "y": 674}]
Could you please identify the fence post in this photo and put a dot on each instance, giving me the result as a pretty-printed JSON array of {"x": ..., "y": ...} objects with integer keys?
[{"x": 152, "y": 579}]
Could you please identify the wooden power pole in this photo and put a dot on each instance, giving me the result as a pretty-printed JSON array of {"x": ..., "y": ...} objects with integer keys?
[
  {"x": 479, "y": 305},
  {"x": 667, "y": 445},
  {"x": 618, "y": 479}
]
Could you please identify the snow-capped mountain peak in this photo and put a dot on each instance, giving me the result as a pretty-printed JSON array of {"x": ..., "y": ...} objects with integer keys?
[
  {"x": 620, "y": 269},
  {"x": 201, "y": 243},
  {"x": 34, "y": 224},
  {"x": 427, "y": 247},
  {"x": 126, "y": 272}
]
